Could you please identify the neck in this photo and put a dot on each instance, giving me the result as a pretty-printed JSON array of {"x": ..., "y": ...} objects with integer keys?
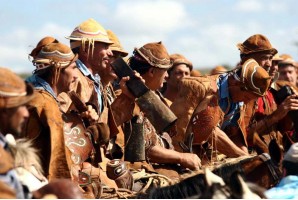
[{"x": 86, "y": 63}]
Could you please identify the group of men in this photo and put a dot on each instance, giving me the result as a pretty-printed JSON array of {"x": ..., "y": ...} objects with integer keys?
[{"x": 89, "y": 126}]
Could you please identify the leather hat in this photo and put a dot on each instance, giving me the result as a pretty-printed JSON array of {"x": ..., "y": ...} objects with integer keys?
[
  {"x": 218, "y": 70},
  {"x": 88, "y": 31},
  {"x": 116, "y": 46},
  {"x": 256, "y": 43},
  {"x": 254, "y": 78},
  {"x": 178, "y": 59},
  {"x": 54, "y": 54},
  {"x": 13, "y": 89},
  {"x": 43, "y": 42},
  {"x": 155, "y": 54},
  {"x": 287, "y": 60}
]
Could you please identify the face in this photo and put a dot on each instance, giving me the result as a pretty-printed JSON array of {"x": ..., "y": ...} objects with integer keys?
[
  {"x": 265, "y": 61},
  {"x": 177, "y": 73},
  {"x": 155, "y": 78},
  {"x": 288, "y": 73},
  {"x": 13, "y": 119},
  {"x": 109, "y": 74},
  {"x": 67, "y": 78},
  {"x": 100, "y": 59}
]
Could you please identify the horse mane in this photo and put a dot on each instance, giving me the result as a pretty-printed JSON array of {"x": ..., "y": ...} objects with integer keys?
[
  {"x": 25, "y": 154},
  {"x": 226, "y": 169},
  {"x": 190, "y": 187}
]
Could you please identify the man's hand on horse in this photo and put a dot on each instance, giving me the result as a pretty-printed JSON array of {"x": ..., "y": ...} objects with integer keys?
[{"x": 191, "y": 161}]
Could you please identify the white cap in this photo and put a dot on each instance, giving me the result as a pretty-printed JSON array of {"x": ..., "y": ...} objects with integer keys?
[{"x": 292, "y": 154}]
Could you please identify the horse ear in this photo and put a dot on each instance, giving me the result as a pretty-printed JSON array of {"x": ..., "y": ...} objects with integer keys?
[
  {"x": 211, "y": 178},
  {"x": 275, "y": 151},
  {"x": 239, "y": 187},
  {"x": 236, "y": 184}
]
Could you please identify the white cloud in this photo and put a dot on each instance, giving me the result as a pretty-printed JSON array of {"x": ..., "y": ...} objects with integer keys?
[
  {"x": 18, "y": 43},
  {"x": 248, "y": 6},
  {"x": 151, "y": 17}
]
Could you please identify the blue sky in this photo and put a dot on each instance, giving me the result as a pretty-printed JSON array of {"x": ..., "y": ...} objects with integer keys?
[{"x": 204, "y": 31}]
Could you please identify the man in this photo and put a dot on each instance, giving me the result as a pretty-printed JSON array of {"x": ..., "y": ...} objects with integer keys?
[
  {"x": 91, "y": 42},
  {"x": 151, "y": 61},
  {"x": 287, "y": 187},
  {"x": 263, "y": 115},
  {"x": 55, "y": 73},
  {"x": 14, "y": 95},
  {"x": 181, "y": 68},
  {"x": 210, "y": 108},
  {"x": 287, "y": 69}
]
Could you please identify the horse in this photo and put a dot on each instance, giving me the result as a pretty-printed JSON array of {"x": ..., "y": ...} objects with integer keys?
[
  {"x": 258, "y": 169},
  {"x": 205, "y": 186},
  {"x": 29, "y": 172}
]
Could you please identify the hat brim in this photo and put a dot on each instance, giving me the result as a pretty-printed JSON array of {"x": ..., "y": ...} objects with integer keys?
[
  {"x": 95, "y": 39},
  {"x": 242, "y": 49},
  {"x": 123, "y": 53},
  {"x": 12, "y": 102},
  {"x": 153, "y": 64}
]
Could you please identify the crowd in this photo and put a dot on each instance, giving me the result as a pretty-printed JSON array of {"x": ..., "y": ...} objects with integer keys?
[{"x": 85, "y": 124}]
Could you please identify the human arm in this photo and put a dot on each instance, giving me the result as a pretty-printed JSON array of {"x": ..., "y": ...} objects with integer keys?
[{"x": 159, "y": 154}]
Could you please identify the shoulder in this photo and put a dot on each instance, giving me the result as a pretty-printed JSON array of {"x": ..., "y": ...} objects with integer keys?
[
  {"x": 6, "y": 161},
  {"x": 43, "y": 101}
]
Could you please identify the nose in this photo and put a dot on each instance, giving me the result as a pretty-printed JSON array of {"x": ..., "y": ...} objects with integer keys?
[
  {"x": 109, "y": 52},
  {"x": 25, "y": 111}
]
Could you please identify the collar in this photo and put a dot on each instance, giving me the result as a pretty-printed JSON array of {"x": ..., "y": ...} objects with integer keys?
[
  {"x": 222, "y": 83},
  {"x": 40, "y": 83},
  {"x": 86, "y": 72}
]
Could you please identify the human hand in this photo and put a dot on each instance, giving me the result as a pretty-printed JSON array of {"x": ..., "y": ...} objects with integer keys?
[
  {"x": 191, "y": 161},
  {"x": 290, "y": 103},
  {"x": 124, "y": 87},
  {"x": 91, "y": 114}
]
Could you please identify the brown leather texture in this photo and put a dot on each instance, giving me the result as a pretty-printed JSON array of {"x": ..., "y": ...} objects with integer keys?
[{"x": 45, "y": 126}]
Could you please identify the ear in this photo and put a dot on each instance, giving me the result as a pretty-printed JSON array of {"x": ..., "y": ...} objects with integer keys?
[
  {"x": 211, "y": 178},
  {"x": 236, "y": 184},
  {"x": 275, "y": 151},
  {"x": 151, "y": 71},
  {"x": 240, "y": 189}
]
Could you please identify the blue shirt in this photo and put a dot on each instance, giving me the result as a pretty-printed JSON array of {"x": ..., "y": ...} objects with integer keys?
[
  {"x": 39, "y": 83},
  {"x": 286, "y": 189},
  {"x": 96, "y": 79},
  {"x": 10, "y": 178},
  {"x": 231, "y": 109}
]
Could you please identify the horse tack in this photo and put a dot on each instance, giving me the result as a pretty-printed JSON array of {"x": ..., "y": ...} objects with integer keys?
[
  {"x": 266, "y": 159},
  {"x": 76, "y": 138},
  {"x": 258, "y": 169}
]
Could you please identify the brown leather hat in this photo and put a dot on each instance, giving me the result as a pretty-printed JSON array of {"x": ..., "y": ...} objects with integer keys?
[
  {"x": 56, "y": 54},
  {"x": 116, "y": 46},
  {"x": 155, "y": 54},
  {"x": 255, "y": 78},
  {"x": 287, "y": 60},
  {"x": 218, "y": 70},
  {"x": 256, "y": 43},
  {"x": 13, "y": 89},
  {"x": 43, "y": 42},
  {"x": 195, "y": 73},
  {"x": 178, "y": 59}
]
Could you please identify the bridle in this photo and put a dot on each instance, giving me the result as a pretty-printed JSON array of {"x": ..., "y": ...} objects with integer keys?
[{"x": 272, "y": 168}]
